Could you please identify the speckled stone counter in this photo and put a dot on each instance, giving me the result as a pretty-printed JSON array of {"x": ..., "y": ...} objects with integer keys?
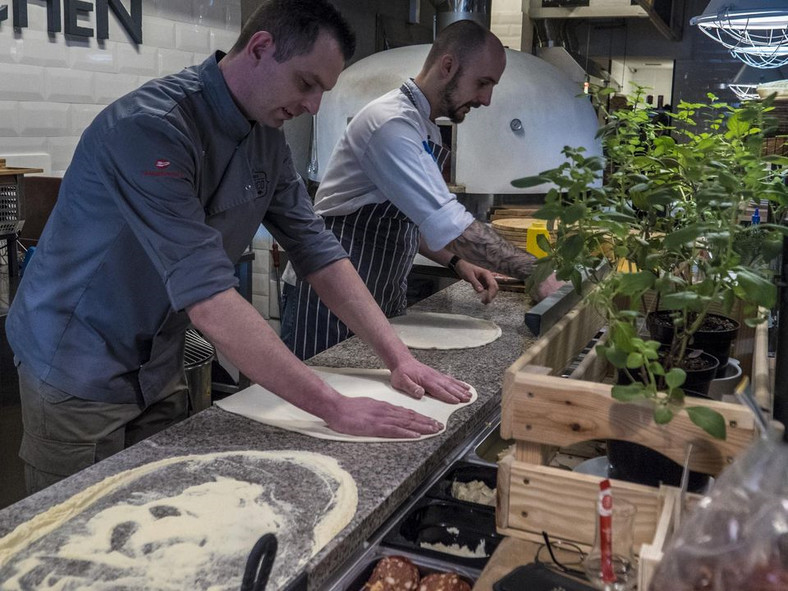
[{"x": 386, "y": 473}]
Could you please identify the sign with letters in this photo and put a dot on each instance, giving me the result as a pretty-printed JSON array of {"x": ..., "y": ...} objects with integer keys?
[{"x": 65, "y": 18}]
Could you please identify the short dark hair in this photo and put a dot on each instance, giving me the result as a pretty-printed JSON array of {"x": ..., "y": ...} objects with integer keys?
[
  {"x": 295, "y": 26},
  {"x": 459, "y": 38}
]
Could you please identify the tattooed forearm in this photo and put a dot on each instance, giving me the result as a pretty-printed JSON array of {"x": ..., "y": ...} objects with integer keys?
[{"x": 481, "y": 246}]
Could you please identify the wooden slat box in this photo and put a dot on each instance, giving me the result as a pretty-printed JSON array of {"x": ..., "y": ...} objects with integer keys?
[{"x": 541, "y": 410}]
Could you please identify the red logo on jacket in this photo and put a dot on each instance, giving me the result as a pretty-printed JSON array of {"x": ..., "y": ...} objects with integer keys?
[{"x": 162, "y": 163}]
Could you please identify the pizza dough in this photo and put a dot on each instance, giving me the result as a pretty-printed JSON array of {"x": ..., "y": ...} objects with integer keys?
[
  {"x": 430, "y": 330},
  {"x": 187, "y": 522},
  {"x": 264, "y": 406}
]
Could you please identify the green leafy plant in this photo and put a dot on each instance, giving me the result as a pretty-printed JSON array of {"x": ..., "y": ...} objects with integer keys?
[{"x": 662, "y": 214}]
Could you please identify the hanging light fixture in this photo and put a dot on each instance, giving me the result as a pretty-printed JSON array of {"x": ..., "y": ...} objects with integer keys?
[
  {"x": 746, "y": 81},
  {"x": 756, "y": 31}
]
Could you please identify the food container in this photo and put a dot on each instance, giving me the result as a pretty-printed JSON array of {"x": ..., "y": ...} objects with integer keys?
[
  {"x": 469, "y": 474},
  {"x": 492, "y": 447},
  {"x": 451, "y": 531},
  {"x": 362, "y": 571}
]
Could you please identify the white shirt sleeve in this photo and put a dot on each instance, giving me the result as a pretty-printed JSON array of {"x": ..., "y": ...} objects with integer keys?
[{"x": 397, "y": 162}]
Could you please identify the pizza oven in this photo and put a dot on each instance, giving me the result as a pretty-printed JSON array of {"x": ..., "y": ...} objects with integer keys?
[{"x": 535, "y": 111}]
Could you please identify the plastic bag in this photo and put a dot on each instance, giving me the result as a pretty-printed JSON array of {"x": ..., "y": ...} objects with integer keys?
[{"x": 736, "y": 538}]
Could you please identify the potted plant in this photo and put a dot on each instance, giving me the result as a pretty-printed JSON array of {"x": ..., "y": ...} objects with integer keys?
[{"x": 658, "y": 225}]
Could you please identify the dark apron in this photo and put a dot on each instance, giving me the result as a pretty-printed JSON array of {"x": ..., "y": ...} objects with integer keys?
[{"x": 381, "y": 242}]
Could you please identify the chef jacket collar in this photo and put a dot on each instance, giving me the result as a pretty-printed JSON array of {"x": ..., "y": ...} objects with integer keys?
[
  {"x": 417, "y": 98},
  {"x": 236, "y": 125}
]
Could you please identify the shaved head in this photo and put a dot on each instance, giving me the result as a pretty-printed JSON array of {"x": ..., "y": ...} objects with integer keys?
[{"x": 462, "y": 39}]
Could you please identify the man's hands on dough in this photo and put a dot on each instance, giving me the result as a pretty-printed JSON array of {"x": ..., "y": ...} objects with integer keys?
[
  {"x": 373, "y": 418},
  {"x": 369, "y": 417},
  {"x": 415, "y": 379}
]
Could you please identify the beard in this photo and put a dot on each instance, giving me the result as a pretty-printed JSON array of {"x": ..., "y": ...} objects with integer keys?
[{"x": 448, "y": 103}]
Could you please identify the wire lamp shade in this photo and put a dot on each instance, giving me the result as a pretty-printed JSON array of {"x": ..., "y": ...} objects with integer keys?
[
  {"x": 755, "y": 31},
  {"x": 747, "y": 80}
]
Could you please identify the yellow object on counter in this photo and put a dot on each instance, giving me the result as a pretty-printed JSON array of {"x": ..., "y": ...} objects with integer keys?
[{"x": 537, "y": 228}]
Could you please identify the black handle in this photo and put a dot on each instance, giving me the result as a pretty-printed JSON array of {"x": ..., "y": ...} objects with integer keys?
[{"x": 259, "y": 564}]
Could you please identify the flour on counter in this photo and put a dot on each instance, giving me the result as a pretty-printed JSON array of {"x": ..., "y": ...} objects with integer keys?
[{"x": 188, "y": 523}]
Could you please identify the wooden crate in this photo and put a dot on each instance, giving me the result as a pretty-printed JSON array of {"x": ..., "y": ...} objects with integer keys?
[{"x": 541, "y": 410}]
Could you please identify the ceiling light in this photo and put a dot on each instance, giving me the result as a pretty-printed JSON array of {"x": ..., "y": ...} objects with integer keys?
[
  {"x": 756, "y": 31},
  {"x": 747, "y": 80}
]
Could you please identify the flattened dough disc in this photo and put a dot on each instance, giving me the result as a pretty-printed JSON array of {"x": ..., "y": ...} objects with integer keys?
[
  {"x": 431, "y": 330},
  {"x": 264, "y": 406}
]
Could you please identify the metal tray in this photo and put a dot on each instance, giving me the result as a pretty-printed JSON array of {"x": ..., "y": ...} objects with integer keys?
[{"x": 434, "y": 521}]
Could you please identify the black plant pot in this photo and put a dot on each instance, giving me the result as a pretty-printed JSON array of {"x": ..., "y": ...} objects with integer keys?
[
  {"x": 715, "y": 336},
  {"x": 702, "y": 371},
  {"x": 699, "y": 380}
]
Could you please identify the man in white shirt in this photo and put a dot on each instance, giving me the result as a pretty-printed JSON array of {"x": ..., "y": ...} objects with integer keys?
[{"x": 384, "y": 197}]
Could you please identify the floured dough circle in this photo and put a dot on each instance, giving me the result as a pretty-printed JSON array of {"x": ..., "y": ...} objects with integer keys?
[
  {"x": 264, "y": 406},
  {"x": 432, "y": 330},
  {"x": 187, "y": 522}
]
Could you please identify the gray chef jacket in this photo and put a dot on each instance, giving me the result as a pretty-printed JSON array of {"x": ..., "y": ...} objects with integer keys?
[{"x": 166, "y": 189}]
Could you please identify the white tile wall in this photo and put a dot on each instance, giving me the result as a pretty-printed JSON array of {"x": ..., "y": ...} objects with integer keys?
[
  {"x": 38, "y": 49},
  {"x": 507, "y": 6},
  {"x": 9, "y": 49},
  {"x": 192, "y": 37},
  {"x": 21, "y": 83},
  {"x": 43, "y": 119},
  {"x": 93, "y": 58},
  {"x": 22, "y": 145},
  {"x": 173, "y": 60},
  {"x": 53, "y": 87},
  {"x": 61, "y": 150},
  {"x": 108, "y": 87},
  {"x": 158, "y": 33},
  {"x": 142, "y": 60},
  {"x": 506, "y": 22},
  {"x": 63, "y": 85},
  {"x": 9, "y": 118},
  {"x": 82, "y": 116}
]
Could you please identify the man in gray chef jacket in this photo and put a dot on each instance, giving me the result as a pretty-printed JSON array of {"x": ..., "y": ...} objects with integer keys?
[{"x": 166, "y": 189}]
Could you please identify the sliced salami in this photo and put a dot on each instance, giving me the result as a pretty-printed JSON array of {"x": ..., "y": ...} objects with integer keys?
[
  {"x": 394, "y": 573},
  {"x": 443, "y": 582}
]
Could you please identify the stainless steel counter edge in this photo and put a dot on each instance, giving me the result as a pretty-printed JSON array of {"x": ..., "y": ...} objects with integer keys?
[{"x": 386, "y": 474}]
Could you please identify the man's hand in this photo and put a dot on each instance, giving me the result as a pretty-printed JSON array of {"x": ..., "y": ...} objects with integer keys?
[
  {"x": 547, "y": 287},
  {"x": 372, "y": 418},
  {"x": 480, "y": 279},
  {"x": 238, "y": 331},
  {"x": 415, "y": 379}
]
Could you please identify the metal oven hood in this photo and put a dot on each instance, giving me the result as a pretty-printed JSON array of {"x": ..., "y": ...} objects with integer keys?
[{"x": 536, "y": 111}]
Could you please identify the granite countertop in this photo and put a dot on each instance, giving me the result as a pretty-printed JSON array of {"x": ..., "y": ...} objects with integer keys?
[{"x": 386, "y": 473}]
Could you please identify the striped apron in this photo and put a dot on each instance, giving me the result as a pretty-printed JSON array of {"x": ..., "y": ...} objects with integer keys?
[{"x": 381, "y": 243}]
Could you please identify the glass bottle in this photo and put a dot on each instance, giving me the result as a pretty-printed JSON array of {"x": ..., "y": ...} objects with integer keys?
[{"x": 623, "y": 557}]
